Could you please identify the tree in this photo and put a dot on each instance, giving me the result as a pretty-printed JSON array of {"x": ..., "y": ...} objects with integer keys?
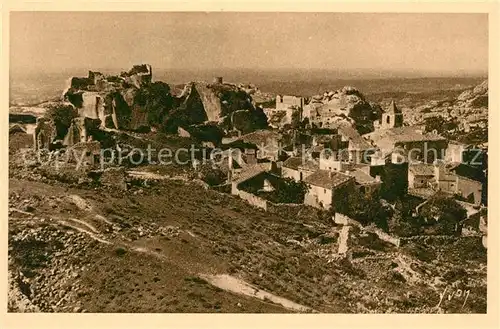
[
  {"x": 440, "y": 125},
  {"x": 365, "y": 208},
  {"x": 445, "y": 212},
  {"x": 402, "y": 222},
  {"x": 295, "y": 117},
  {"x": 212, "y": 176},
  {"x": 286, "y": 190},
  {"x": 156, "y": 100},
  {"x": 290, "y": 191}
]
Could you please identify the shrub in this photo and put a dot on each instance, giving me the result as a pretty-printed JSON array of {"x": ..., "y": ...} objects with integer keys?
[
  {"x": 120, "y": 251},
  {"x": 62, "y": 115}
]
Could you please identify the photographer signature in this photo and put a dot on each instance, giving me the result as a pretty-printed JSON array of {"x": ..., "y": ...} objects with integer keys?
[{"x": 454, "y": 294}]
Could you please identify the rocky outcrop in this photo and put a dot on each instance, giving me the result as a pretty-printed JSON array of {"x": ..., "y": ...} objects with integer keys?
[
  {"x": 81, "y": 130},
  {"x": 131, "y": 101},
  {"x": 226, "y": 104},
  {"x": 346, "y": 104},
  {"x": 476, "y": 97},
  {"x": 111, "y": 99},
  {"x": 45, "y": 133},
  {"x": 138, "y": 76},
  {"x": 211, "y": 103}
]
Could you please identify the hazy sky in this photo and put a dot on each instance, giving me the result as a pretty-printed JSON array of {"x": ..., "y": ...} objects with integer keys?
[{"x": 419, "y": 42}]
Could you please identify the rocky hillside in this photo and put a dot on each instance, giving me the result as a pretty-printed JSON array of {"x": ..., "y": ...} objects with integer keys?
[
  {"x": 468, "y": 107},
  {"x": 475, "y": 98},
  {"x": 172, "y": 246}
]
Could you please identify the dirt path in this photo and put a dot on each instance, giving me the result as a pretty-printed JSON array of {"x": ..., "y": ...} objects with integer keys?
[
  {"x": 232, "y": 284},
  {"x": 80, "y": 229}
]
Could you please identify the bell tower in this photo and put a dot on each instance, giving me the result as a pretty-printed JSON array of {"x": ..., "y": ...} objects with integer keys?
[{"x": 392, "y": 117}]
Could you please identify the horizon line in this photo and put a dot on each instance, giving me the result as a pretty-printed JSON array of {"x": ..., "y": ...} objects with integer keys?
[{"x": 348, "y": 71}]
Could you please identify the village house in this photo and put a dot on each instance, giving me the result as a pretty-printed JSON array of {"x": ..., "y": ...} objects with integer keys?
[
  {"x": 460, "y": 179},
  {"x": 365, "y": 183},
  {"x": 287, "y": 109},
  {"x": 298, "y": 168},
  {"x": 465, "y": 153},
  {"x": 417, "y": 145},
  {"x": 343, "y": 140},
  {"x": 357, "y": 146},
  {"x": 253, "y": 179},
  {"x": 392, "y": 168},
  {"x": 420, "y": 175},
  {"x": 287, "y": 102},
  {"x": 455, "y": 151},
  {"x": 266, "y": 144},
  {"x": 361, "y": 172},
  {"x": 325, "y": 185}
]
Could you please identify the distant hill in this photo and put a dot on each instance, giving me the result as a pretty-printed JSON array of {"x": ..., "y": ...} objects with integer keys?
[{"x": 36, "y": 87}]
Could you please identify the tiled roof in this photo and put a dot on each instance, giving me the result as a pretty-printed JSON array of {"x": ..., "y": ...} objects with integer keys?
[
  {"x": 422, "y": 169},
  {"x": 402, "y": 135},
  {"x": 465, "y": 171},
  {"x": 355, "y": 139},
  {"x": 362, "y": 178},
  {"x": 250, "y": 172},
  {"x": 327, "y": 179},
  {"x": 296, "y": 162}
]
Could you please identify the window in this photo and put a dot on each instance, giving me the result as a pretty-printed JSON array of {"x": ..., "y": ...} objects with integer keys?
[
  {"x": 388, "y": 120},
  {"x": 324, "y": 190}
]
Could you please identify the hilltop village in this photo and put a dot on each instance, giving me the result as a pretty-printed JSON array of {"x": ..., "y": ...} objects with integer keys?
[
  {"x": 332, "y": 146},
  {"x": 358, "y": 165}
]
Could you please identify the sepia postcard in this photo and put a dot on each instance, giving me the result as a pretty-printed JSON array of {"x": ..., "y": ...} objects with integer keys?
[{"x": 252, "y": 160}]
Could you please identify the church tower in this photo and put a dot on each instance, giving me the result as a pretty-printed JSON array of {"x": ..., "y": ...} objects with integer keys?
[{"x": 392, "y": 117}]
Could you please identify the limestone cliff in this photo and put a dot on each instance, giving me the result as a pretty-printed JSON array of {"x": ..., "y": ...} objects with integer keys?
[
  {"x": 132, "y": 101},
  {"x": 111, "y": 98},
  {"x": 227, "y": 104}
]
